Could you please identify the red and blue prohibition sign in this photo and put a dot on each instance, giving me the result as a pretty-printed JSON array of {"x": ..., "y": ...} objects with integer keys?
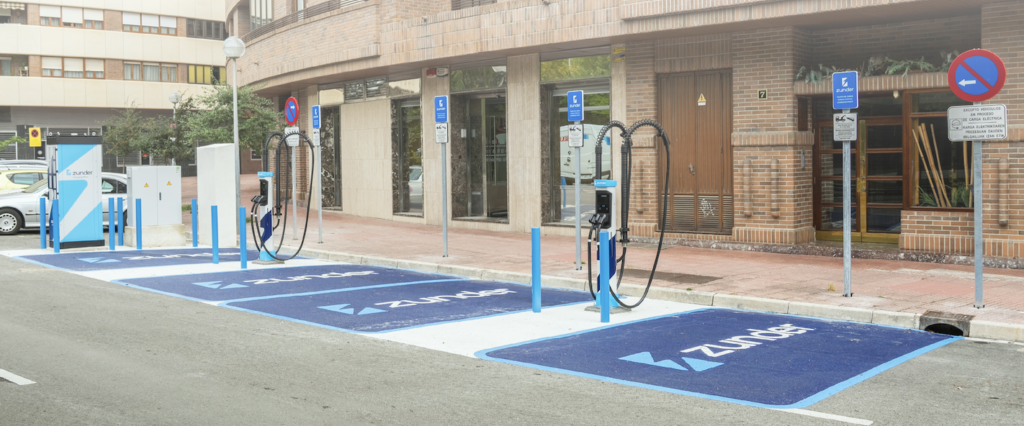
[
  {"x": 291, "y": 111},
  {"x": 977, "y": 75}
]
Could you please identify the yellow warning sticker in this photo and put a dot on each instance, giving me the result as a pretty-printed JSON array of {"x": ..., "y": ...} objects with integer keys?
[
  {"x": 147, "y": 186},
  {"x": 168, "y": 183},
  {"x": 701, "y": 101}
]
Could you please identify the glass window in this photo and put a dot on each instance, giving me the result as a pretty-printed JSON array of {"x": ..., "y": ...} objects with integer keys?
[
  {"x": 107, "y": 187},
  {"x": 74, "y": 68},
  {"x": 376, "y": 88},
  {"x": 332, "y": 97},
  {"x": 561, "y": 206},
  {"x": 404, "y": 87},
  {"x": 25, "y": 178},
  {"x": 408, "y": 144},
  {"x": 132, "y": 71},
  {"x": 493, "y": 77},
  {"x": 941, "y": 174},
  {"x": 52, "y": 67},
  {"x": 355, "y": 90},
  {"x": 576, "y": 68},
  {"x": 169, "y": 73},
  {"x": 261, "y": 12},
  {"x": 151, "y": 72}
]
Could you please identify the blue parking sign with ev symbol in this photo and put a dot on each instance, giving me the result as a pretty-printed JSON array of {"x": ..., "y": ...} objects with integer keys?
[{"x": 845, "y": 91}]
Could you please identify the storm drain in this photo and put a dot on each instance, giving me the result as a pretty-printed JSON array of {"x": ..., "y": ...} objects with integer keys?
[
  {"x": 670, "y": 277},
  {"x": 946, "y": 323}
]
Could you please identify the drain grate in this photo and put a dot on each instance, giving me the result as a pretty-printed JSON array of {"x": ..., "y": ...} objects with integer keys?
[
  {"x": 946, "y": 323},
  {"x": 670, "y": 277}
]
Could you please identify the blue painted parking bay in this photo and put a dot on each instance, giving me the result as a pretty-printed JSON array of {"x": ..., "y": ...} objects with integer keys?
[
  {"x": 124, "y": 259},
  {"x": 278, "y": 282},
  {"x": 390, "y": 308},
  {"x": 750, "y": 358}
]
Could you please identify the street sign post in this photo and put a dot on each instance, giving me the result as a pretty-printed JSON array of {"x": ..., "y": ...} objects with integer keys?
[
  {"x": 846, "y": 96},
  {"x": 35, "y": 137},
  {"x": 441, "y": 137},
  {"x": 315, "y": 115},
  {"x": 315, "y": 138},
  {"x": 976, "y": 76},
  {"x": 574, "y": 102}
]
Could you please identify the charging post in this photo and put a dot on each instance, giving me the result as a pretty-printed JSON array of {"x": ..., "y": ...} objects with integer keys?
[
  {"x": 846, "y": 96},
  {"x": 574, "y": 103},
  {"x": 441, "y": 137}
]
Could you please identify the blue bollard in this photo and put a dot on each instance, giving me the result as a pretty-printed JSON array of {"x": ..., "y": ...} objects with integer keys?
[
  {"x": 604, "y": 299},
  {"x": 216, "y": 250},
  {"x": 55, "y": 215},
  {"x": 242, "y": 250},
  {"x": 42, "y": 223},
  {"x": 535, "y": 233},
  {"x": 195, "y": 223},
  {"x": 138, "y": 223},
  {"x": 120, "y": 216},
  {"x": 563, "y": 192},
  {"x": 111, "y": 223}
]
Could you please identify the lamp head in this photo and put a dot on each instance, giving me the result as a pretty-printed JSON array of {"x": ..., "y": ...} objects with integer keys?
[
  {"x": 175, "y": 98},
  {"x": 234, "y": 47}
]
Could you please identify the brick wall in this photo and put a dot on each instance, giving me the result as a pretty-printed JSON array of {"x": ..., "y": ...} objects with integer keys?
[
  {"x": 851, "y": 47},
  {"x": 400, "y": 10},
  {"x": 35, "y": 66},
  {"x": 112, "y": 20},
  {"x": 32, "y": 14},
  {"x": 113, "y": 69},
  {"x": 697, "y": 53},
  {"x": 1003, "y": 32}
]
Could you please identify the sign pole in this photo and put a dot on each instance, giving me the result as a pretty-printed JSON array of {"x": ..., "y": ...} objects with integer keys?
[
  {"x": 846, "y": 96},
  {"x": 441, "y": 137},
  {"x": 847, "y": 228},
  {"x": 319, "y": 174},
  {"x": 979, "y": 246},
  {"x": 574, "y": 104},
  {"x": 577, "y": 186}
]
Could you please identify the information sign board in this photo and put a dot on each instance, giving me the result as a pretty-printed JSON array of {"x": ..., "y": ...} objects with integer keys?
[{"x": 976, "y": 122}]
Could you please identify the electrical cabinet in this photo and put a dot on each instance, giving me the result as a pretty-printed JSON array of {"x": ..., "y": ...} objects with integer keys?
[{"x": 159, "y": 188}]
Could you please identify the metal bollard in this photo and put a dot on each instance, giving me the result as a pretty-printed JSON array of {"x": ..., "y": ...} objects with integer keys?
[
  {"x": 111, "y": 224},
  {"x": 120, "y": 228},
  {"x": 55, "y": 215},
  {"x": 216, "y": 241},
  {"x": 42, "y": 223},
  {"x": 605, "y": 296},
  {"x": 242, "y": 250},
  {"x": 138, "y": 224},
  {"x": 535, "y": 234},
  {"x": 195, "y": 223}
]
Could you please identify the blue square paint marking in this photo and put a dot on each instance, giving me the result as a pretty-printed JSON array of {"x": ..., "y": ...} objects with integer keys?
[
  {"x": 124, "y": 259},
  {"x": 750, "y": 358},
  {"x": 383, "y": 309},
  {"x": 279, "y": 282}
]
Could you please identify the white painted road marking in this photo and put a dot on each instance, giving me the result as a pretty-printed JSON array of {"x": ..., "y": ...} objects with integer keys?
[
  {"x": 837, "y": 418},
  {"x": 14, "y": 378}
]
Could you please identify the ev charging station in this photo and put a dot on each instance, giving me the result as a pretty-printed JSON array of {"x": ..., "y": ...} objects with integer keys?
[{"x": 75, "y": 163}]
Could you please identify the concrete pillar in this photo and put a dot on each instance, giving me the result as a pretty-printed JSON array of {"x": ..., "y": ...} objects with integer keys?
[{"x": 524, "y": 142}]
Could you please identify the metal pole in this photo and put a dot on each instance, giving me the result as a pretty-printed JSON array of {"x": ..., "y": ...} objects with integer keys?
[
  {"x": 605, "y": 297},
  {"x": 120, "y": 228},
  {"x": 138, "y": 224},
  {"x": 234, "y": 101},
  {"x": 243, "y": 251},
  {"x": 320, "y": 195},
  {"x": 444, "y": 198},
  {"x": 195, "y": 223},
  {"x": 295, "y": 208},
  {"x": 535, "y": 240},
  {"x": 111, "y": 223},
  {"x": 847, "y": 249},
  {"x": 42, "y": 223},
  {"x": 55, "y": 214},
  {"x": 579, "y": 229},
  {"x": 216, "y": 232},
  {"x": 979, "y": 246}
]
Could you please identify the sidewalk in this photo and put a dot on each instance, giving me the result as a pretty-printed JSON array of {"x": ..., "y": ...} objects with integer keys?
[{"x": 878, "y": 285}]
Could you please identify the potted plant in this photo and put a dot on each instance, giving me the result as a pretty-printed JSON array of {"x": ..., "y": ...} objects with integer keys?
[{"x": 907, "y": 65}]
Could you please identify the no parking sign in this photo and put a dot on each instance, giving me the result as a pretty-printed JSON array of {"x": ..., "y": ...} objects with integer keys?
[{"x": 977, "y": 75}]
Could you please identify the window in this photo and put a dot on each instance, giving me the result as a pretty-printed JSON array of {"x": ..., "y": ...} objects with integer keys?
[
  {"x": 49, "y": 16},
  {"x": 255, "y": 156},
  {"x": 112, "y": 186},
  {"x": 150, "y": 24},
  {"x": 940, "y": 170},
  {"x": 93, "y": 19},
  {"x": 25, "y": 178},
  {"x": 52, "y": 67},
  {"x": 202, "y": 74},
  {"x": 74, "y": 67},
  {"x": 132, "y": 71},
  {"x": 407, "y": 143},
  {"x": 483, "y": 77},
  {"x": 576, "y": 68},
  {"x": 298, "y": 5},
  {"x": 261, "y": 13},
  {"x": 150, "y": 72},
  {"x": 6, "y": 67},
  {"x": 196, "y": 28},
  {"x": 168, "y": 25},
  {"x": 132, "y": 22},
  {"x": 465, "y": 4},
  {"x": 93, "y": 68},
  {"x": 71, "y": 17},
  {"x": 169, "y": 73}
]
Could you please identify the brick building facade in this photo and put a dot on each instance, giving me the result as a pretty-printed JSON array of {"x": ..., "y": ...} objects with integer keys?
[{"x": 756, "y": 163}]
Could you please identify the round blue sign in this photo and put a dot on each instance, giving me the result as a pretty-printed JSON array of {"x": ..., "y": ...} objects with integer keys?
[
  {"x": 977, "y": 75},
  {"x": 291, "y": 111}
]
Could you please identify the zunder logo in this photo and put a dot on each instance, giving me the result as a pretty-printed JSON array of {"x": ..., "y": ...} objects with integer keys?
[
  {"x": 756, "y": 338},
  {"x": 439, "y": 299},
  {"x": 309, "y": 277}
]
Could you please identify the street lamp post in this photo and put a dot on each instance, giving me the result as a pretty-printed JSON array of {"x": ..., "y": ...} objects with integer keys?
[
  {"x": 174, "y": 98},
  {"x": 234, "y": 48}
]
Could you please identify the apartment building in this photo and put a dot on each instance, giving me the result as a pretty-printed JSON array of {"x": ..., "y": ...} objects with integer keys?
[
  {"x": 752, "y": 159},
  {"x": 68, "y": 65}
]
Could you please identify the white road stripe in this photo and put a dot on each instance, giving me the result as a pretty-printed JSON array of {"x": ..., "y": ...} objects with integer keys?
[
  {"x": 14, "y": 378},
  {"x": 837, "y": 418}
]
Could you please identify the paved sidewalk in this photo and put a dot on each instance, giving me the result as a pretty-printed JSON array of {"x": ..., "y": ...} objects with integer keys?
[{"x": 896, "y": 286}]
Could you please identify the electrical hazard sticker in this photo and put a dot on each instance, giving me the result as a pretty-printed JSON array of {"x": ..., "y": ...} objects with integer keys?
[{"x": 702, "y": 101}]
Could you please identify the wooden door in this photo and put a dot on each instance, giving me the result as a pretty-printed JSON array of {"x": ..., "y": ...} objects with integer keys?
[{"x": 696, "y": 111}]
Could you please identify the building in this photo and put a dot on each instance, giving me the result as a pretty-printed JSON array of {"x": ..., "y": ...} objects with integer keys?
[
  {"x": 752, "y": 160},
  {"x": 69, "y": 65}
]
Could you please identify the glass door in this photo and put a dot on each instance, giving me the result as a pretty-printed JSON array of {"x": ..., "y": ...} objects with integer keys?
[
  {"x": 487, "y": 150},
  {"x": 877, "y": 182}
]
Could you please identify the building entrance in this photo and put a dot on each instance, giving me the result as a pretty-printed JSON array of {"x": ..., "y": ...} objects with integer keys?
[
  {"x": 696, "y": 111},
  {"x": 486, "y": 156}
]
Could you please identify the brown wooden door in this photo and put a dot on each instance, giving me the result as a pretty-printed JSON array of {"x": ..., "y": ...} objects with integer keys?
[{"x": 696, "y": 111}]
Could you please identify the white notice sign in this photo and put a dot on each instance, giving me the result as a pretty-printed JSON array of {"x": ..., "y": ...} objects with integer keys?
[
  {"x": 292, "y": 141},
  {"x": 315, "y": 137},
  {"x": 844, "y": 127},
  {"x": 576, "y": 136},
  {"x": 976, "y": 123},
  {"x": 441, "y": 132}
]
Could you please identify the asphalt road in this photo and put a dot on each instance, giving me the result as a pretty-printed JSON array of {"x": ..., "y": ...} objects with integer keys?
[{"x": 106, "y": 354}]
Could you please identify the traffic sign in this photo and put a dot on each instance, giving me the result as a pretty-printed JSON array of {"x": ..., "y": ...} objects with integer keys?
[
  {"x": 441, "y": 109},
  {"x": 845, "y": 90},
  {"x": 977, "y": 75},
  {"x": 441, "y": 132},
  {"x": 315, "y": 114},
  {"x": 291, "y": 136},
  {"x": 291, "y": 111},
  {"x": 976, "y": 122},
  {"x": 844, "y": 127},
  {"x": 575, "y": 102},
  {"x": 315, "y": 137},
  {"x": 35, "y": 137},
  {"x": 576, "y": 136}
]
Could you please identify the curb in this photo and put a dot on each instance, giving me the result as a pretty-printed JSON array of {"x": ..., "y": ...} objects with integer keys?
[{"x": 978, "y": 328}]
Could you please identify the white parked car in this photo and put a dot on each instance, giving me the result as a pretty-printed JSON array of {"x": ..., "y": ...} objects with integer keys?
[{"x": 20, "y": 209}]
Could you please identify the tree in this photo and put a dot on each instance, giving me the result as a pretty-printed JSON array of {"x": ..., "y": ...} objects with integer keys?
[
  {"x": 16, "y": 139},
  {"x": 165, "y": 136},
  {"x": 125, "y": 132},
  {"x": 212, "y": 121}
]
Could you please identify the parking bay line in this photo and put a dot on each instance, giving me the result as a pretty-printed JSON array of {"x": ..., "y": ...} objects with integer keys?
[
  {"x": 826, "y": 416},
  {"x": 14, "y": 378}
]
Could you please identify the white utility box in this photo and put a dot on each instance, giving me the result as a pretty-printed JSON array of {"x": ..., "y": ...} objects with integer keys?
[{"x": 159, "y": 187}]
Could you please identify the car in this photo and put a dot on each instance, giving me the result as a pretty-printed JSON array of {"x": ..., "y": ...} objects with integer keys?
[
  {"x": 20, "y": 210},
  {"x": 416, "y": 187},
  {"x": 22, "y": 164},
  {"x": 20, "y": 178}
]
